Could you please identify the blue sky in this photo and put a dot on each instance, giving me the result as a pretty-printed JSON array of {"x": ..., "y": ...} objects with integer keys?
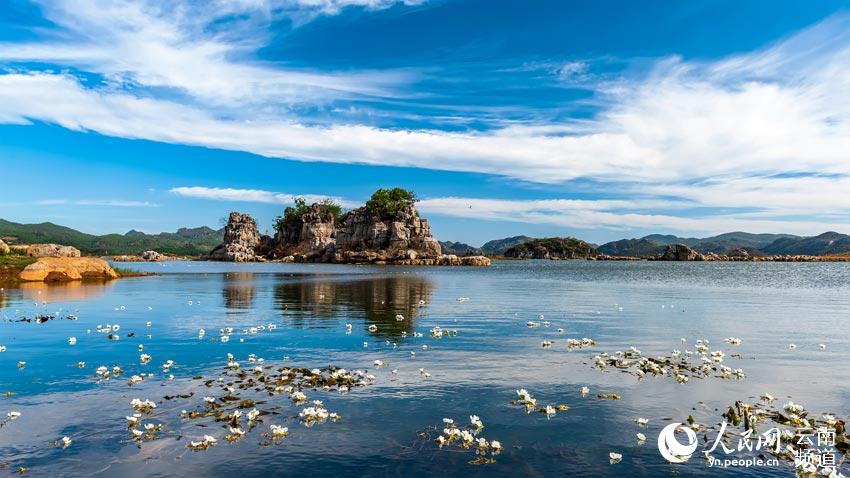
[{"x": 601, "y": 120}]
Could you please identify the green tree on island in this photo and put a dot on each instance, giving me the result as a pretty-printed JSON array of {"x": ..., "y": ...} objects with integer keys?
[
  {"x": 387, "y": 203},
  {"x": 292, "y": 214}
]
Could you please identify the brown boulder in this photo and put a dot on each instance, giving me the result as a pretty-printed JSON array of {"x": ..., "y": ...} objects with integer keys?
[
  {"x": 67, "y": 268},
  {"x": 4, "y": 249}
]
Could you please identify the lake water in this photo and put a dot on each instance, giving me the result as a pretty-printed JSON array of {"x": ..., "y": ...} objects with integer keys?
[{"x": 648, "y": 305}]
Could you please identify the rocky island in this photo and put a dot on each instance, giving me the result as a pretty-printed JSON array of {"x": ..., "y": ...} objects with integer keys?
[{"x": 386, "y": 230}]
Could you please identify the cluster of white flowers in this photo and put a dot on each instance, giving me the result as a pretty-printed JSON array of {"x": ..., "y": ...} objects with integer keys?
[
  {"x": 467, "y": 438},
  {"x": 206, "y": 442},
  {"x": 143, "y": 406},
  {"x": 103, "y": 372},
  {"x": 316, "y": 414},
  {"x": 580, "y": 343}
]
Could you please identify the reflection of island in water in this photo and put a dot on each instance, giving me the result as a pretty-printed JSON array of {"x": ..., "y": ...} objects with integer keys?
[
  {"x": 239, "y": 290},
  {"x": 63, "y": 291},
  {"x": 375, "y": 300}
]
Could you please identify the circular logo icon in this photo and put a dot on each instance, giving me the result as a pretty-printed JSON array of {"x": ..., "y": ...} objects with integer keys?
[{"x": 669, "y": 446}]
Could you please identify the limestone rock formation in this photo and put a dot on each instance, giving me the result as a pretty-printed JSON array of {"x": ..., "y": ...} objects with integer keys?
[
  {"x": 360, "y": 237},
  {"x": 4, "y": 249},
  {"x": 52, "y": 250},
  {"x": 241, "y": 240},
  {"x": 66, "y": 269},
  {"x": 404, "y": 236},
  {"x": 311, "y": 236}
]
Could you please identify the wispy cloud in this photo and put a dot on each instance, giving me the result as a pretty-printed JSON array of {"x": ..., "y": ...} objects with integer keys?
[
  {"x": 180, "y": 48},
  {"x": 250, "y": 195}
]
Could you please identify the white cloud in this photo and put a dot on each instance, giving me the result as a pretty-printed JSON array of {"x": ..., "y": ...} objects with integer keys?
[
  {"x": 620, "y": 216},
  {"x": 249, "y": 195}
]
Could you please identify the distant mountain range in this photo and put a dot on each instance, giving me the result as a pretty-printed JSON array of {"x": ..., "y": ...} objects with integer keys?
[
  {"x": 186, "y": 241},
  {"x": 496, "y": 247},
  {"x": 755, "y": 244}
]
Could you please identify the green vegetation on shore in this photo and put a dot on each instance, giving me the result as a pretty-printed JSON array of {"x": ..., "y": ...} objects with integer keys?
[{"x": 186, "y": 241}]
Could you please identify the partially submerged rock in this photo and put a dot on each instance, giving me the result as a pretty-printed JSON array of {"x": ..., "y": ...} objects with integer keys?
[
  {"x": 67, "y": 269},
  {"x": 52, "y": 250}
]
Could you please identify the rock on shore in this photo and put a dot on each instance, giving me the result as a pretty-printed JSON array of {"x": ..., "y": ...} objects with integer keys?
[
  {"x": 4, "y": 249},
  {"x": 52, "y": 250},
  {"x": 67, "y": 269}
]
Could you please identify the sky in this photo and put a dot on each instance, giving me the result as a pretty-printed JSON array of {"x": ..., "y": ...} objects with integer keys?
[{"x": 599, "y": 120}]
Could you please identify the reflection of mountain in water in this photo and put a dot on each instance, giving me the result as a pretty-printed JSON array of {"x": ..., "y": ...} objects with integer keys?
[
  {"x": 375, "y": 300},
  {"x": 239, "y": 290}
]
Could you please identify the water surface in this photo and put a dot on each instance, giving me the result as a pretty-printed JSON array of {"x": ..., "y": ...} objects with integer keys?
[{"x": 649, "y": 305}]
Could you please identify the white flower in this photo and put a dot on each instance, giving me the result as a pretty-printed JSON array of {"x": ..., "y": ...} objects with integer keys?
[
  {"x": 13, "y": 415},
  {"x": 373, "y": 328},
  {"x": 279, "y": 431},
  {"x": 476, "y": 421},
  {"x": 72, "y": 341},
  {"x": 791, "y": 346},
  {"x": 641, "y": 421},
  {"x": 495, "y": 445},
  {"x": 585, "y": 390},
  {"x": 640, "y": 437},
  {"x": 253, "y": 414},
  {"x": 614, "y": 457}
]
